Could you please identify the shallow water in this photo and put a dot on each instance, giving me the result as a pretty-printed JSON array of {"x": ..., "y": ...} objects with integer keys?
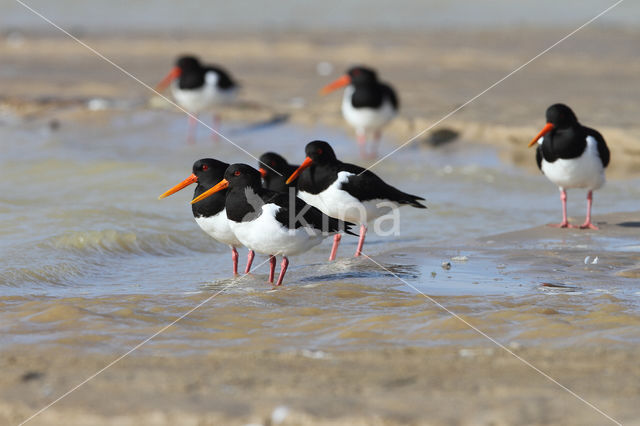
[{"x": 92, "y": 259}]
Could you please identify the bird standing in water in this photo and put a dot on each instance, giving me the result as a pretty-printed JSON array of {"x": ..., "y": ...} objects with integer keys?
[
  {"x": 210, "y": 215},
  {"x": 197, "y": 87},
  {"x": 346, "y": 191},
  {"x": 367, "y": 105},
  {"x": 571, "y": 156},
  {"x": 270, "y": 222},
  {"x": 275, "y": 170}
]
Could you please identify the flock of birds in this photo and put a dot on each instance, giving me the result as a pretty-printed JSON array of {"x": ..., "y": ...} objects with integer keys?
[{"x": 284, "y": 209}]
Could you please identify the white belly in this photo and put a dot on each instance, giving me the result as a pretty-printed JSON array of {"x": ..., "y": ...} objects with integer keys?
[
  {"x": 336, "y": 202},
  {"x": 366, "y": 120},
  {"x": 585, "y": 171},
  {"x": 266, "y": 235},
  {"x": 218, "y": 227},
  {"x": 202, "y": 98}
]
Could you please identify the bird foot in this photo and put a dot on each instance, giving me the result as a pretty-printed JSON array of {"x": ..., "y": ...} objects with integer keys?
[
  {"x": 562, "y": 225},
  {"x": 589, "y": 225}
]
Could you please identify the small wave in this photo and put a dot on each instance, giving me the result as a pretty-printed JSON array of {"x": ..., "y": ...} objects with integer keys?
[
  {"x": 59, "y": 274},
  {"x": 115, "y": 242}
]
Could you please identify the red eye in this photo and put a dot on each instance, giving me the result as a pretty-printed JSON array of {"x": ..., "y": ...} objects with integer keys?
[
  {"x": 273, "y": 163},
  {"x": 237, "y": 173},
  {"x": 319, "y": 151},
  {"x": 356, "y": 72},
  {"x": 205, "y": 167}
]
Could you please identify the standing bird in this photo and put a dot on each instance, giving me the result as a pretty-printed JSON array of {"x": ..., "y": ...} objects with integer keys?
[
  {"x": 210, "y": 215},
  {"x": 367, "y": 104},
  {"x": 571, "y": 156},
  {"x": 275, "y": 170},
  {"x": 197, "y": 87},
  {"x": 346, "y": 191},
  {"x": 270, "y": 222}
]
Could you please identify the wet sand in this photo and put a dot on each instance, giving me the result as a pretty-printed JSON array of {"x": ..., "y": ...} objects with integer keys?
[{"x": 471, "y": 382}]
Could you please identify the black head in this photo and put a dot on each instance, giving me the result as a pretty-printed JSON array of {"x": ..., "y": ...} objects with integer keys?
[
  {"x": 561, "y": 116},
  {"x": 188, "y": 62},
  {"x": 209, "y": 171},
  {"x": 320, "y": 152},
  {"x": 362, "y": 75},
  {"x": 242, "y": 175},
  {"x": 270, "y": 161}
]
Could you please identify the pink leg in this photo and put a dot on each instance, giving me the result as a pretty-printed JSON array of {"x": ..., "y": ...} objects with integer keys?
[
  {"x": 587, "y": 223},
  {"x": 250, "y": 256},
  {"x": 234, "y": 257},
  {"x": 283, "y": 269},
  {"x": 376, "y": 144},
  {"x": 216, "y": 127},
  {"x": 565, "y": 222},
  {"x": 334, "y": 249},
  {"x": 363, "y": 231},
  {"x": 362, "y": 144},
  {"x": 191, "y": 130},
  {"x": 272, "y": 268}
]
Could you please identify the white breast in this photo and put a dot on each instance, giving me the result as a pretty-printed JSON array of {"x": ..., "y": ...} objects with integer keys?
[
  {"x": 218, "y": 227},
  {"x": 585, "y": 171},
  {"x": 268, "y": 236},
  {"x": 338, "y": 203},
  {"x": 205, "y": 97},
  {"x": 365, "y": 120}
]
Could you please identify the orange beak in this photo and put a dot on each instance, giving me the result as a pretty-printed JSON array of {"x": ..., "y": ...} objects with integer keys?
[
  {"x": 223, "y": 184},
  {"x": 305, "y": 164},
  {"x": 173, "y": 74},
  {"x": 345, "y": 80},
  {"x": 263, "y": 172},
  {"x": 546, "y": 129},
  {"x": 188, "y": 181}
]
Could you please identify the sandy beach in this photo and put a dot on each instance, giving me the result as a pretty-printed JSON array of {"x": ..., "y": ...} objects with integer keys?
[{"x": 94, "y": 264}]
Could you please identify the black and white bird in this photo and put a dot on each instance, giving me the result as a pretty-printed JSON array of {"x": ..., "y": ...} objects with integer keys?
[
  {"x": 270, "y": 222},
  {"x": 571, "y": 156},
  {"x": 210, "y": 215},
  {"x": 367, "y": 105},
  {"x": 346, "y": 191},
  {"x": 197, "y": 87},
  {"x": 275, "y": 170}
]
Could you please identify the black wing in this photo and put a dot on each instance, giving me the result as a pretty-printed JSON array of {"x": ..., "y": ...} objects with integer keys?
[
  {"x": 365, "y": 185},
  {"x": 391, "y": 94},
  {"x": 224, "y": 78},
  {"x": 304, "y": 214},
  {"x": 603, "y": 150}
]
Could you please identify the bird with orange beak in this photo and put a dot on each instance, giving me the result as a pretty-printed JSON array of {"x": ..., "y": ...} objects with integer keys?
[
  {"x": 571, "y": 156},
  {"x": 197, "y": 88},
  {"x": 275, "y": 170},
  {"x": 367, "y": 105},
  {"x": 211, "y": 215},
  {"x": 346, "y": 191}
]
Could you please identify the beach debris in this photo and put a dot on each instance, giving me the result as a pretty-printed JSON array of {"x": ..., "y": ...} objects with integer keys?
[
  {"x": 501, "y": 266},
  {"x": 440, "y": 137},
  {"x": 310, "y": 353},
  {"x": 446, "y": 265},
  {"x": 595, "y": 261},
  {"x": 279, "y": 414},
  {"x": 433, "y": 274},
  {"x": 324, "y": 68},
  {"x": 31, "y": 375},
  {"x": 587, "y": 259},
  {"x": 515, "y": 345},
  {"x": 459, "y": 258}
]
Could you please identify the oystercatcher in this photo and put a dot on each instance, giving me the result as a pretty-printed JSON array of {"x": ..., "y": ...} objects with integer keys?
[
  {"x": 346, "y": 191},
  {"x": 210, "y": 215},
  {"x": 198, "y": 88},
  {"x": 270, "y": 222},
  {"x": 367, "y": 104},
  {"x": 571, "y": 156},
  {"x": 275, "y": 170}
]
